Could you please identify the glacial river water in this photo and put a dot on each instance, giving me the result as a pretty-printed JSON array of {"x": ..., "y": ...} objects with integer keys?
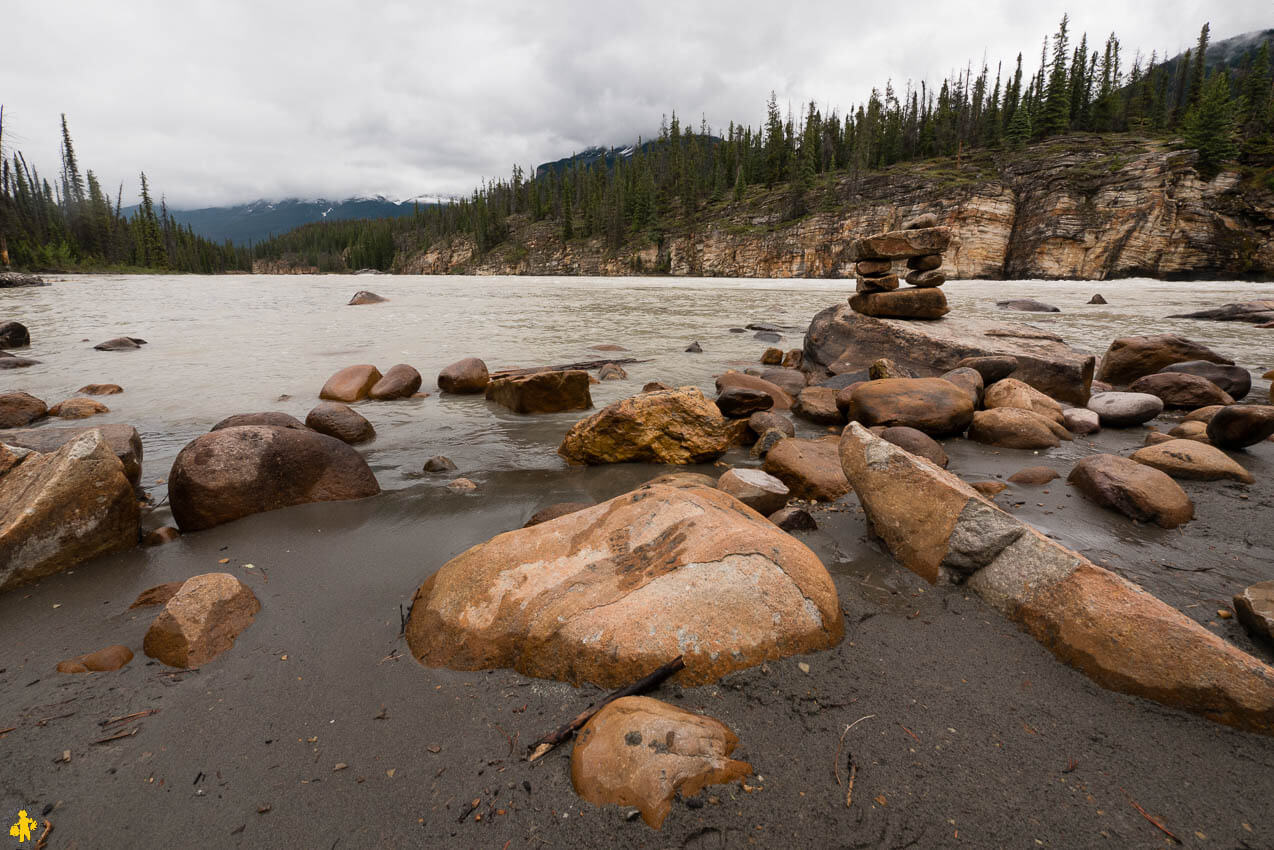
[{"x": 235, "y": 344}]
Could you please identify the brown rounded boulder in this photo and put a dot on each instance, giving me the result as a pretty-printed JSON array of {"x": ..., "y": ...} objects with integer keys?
[
  {"x": 235, "y": 472},
  {"x": 273, "y": 418},
  {"x": 1133, "y": 357},
  {"x": 401, "y": 381},
  {"x": 810, "y": 468},
  {"x": 201, "y": 620},
  {"x": 542, "y": 392},
  {"x": 1190, "y": 459},
  {"x": 1011, "y": 392},
  {"x": 1181, "y": 389},
  {"x": 352, "y": 383},
  {"x": 917, "y": 442},
  {"x": 938, "y": 408},
  {"x": 100, "y": 389},
  {"x": 340, "y": 421},
  {"x": 1136, "y": 491},
  {"x": 782, "y": 399},
  {"x": 755, "y": 488},
  {"x": 469, "y": 375},
  {"x": 101, "y": 661},
  {"x": 1241, "y": 425},
  {"x": 1015, "y": 428},
  {"x": 19, "y": 409},
  {"x": 78, "y": 408},
  {"x": 818, "y": 405},
  {"x": 678, "y": 426}
]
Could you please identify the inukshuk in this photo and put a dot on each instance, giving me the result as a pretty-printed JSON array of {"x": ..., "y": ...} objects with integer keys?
[{"x": 921, "y": 243}]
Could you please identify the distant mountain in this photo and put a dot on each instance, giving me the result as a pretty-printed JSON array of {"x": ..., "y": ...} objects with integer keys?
[{"x": 258, "y": 220}]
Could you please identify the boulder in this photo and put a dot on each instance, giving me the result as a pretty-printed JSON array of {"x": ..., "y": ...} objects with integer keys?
[
  {"x": 273, "y": 418},
  {"x": 100, "y": 389},
  {"x": 439, "y": 463},
  {"x": 992, "y": 367},
  {"x": 1192, "y": 460},
  {"x": 1011, "y": 392},
  {"x": 351, "y": 384},
  {"x": 1234, "y": 380},
  {"x": 1178, "y": 389},
  {"x": 123, "y": 440},
  {"x": 694, "y": 348},
  {"x": 58, "y": 510},
  {"x": 1114, "y": 632},
  {"x": 1133, "y": 357},
  {"x": 641, "y": 752},
  {"x": 772, "y": 356},
  {"x": 1256, "y": 312},
  {"x": 809, "y": 468},
  {"x": 928, "y": 262},
  {"x": 740, "y": 402},
  {"x": 876, "y": 283},
  {"x": 1081, "y": 421},
  {"x": 469, "y": 375},
  {"x": 782, "y": 400},
  {"x": 792, "y": 359},
  {"x": 1015, "y": 428},
  {"x": 791, "y": 381},
  {"x": 873, "y": 268},
  {"x": 684, "y": 479},
  {"x": 201, "y": 620},
  {"x": 101, "y": 661},
  {"x": 1125, "y": 410},
  {"x": 1241, "y": 425},
  {"x": 120, "y": 343},
  {"x": 937, "y": 407},
  {"x": 365, "y": 297},
  {"x": 755, "y": 488},
  {"x": 768, "y": 420},
  {"x": 794, "y": 519},
  {"x": 902, "y": 244},
  {"x": 840, "y": 335},
  {"x": 818, "y": 405},
  {"x": 163, "y": 535},
  {"x": 969, "y": 380},
  {"x": 917, "y": 442},
  {"x": 235, "y": 472},
  {"x": 19, "y": 409},
  {"x": 609, "y": 593},
  {"x": 678, "y": 426},
  {"x": 542, "y": 392},
  {"x": 611, "y": 372},
  {"x": 340, "y": 421},
  {"x": 927, "y": 303},
  {"x": 1097, "y": 299},
  {"x": 554, "y": 511},
  {"x": 1027, "y": 305},
  {"x": 1134, "y": 490},
  {"x": 1034, "y": 475},
  {"x": 401, "y": 381},
  {"x": 14, "y": 335},
  {"x": 1255, "y": 607},
  {"x": 78, "y": 408}
]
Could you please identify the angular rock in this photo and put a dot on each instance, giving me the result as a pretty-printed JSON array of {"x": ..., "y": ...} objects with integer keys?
[
  {"x": 1136, "y": 491},
  {"x": 794, "y": 519},
  {"x": 818, "y": 405},
  {"x": 235, "y": 472},
  {"x": 273, "y": 418},
  {"x": 123, "y": 440},
  {"x": 767, "y": 420},
  {"x": 401, "y": 381},
  {"x": 611, "y": 372},
  {"x": 556, "y": 510},
  {"x": 755, "y": 488},
  {"x": 680, "y": 426},
  {"x": 809, "y": 468},
  {"x": 14, "y": 335},
  {"x": 767, "y": 336},
  {"x": 1255, "y": 607},
  {"x": 886, "y": 368},
  {"x": 694, "y": 348},
  {"x": 992, "y": 367},
  {"x": 1015, "y": 428},
  {"x": 903, "y": 244},
  {"x": 918, "y": 443},
  {"x": 792, "y": 359},
  {"x": 1125, "y": 410},
  {"x": 1097, "y": 299},
  {"x": 100, "y": 389},
  {"x": 201, "y": 621},
  {"x": 876, "y": 283},
  {"x": 927, "y": 303},
  {"x": 542, "y": 392},
  {"x": 61, "y": 509},
  {"x": 937, "y": 407},
  {"x": 782, "y": 400},
  {"x": 607, "y": 594},
  {"x": 78, "y": 408},
  {"x": 928, "y": 262},
  {"x": 872, "y": 268},
  {"x": 926, "y": 279},
  {"x": 1241, "y": 425},
  {"x": 1027, "y": 305},
  {"x": 351, "y": 384},
  {"x": 120, "y": 343},
  {"x": 990, "y": 489},
  {"x": 101, "y": 661},
  {"x": 1181, "y": 390},
  {"x": 340, "y": 421},
  {"x": 772, "y": 356},
  {"x": 924, "y": 220},
  {"x": 1034, "y": 475},
  {"x": 1234, "y": 380},
  {"x": 1133, "y": 357},
  {"x": 365, "y": 297},
  {"x": 439, "y": 463},
  {"x": 469, "y": 375},
  {"x": 1191, "y": 460},
  {"x": 1011, "y": 392},
  {"x": 740, "y": 402},
  {"x": 641, "y": 752},
  {"x": 767, "y": 441},
  {"x": 19, "y": 409}
]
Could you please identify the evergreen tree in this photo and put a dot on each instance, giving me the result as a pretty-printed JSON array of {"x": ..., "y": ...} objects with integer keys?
[
  {"x": 1055, "y": 116},
  {"x": 1210, "y": 125},
  {"x": 1018, "y": 132}
]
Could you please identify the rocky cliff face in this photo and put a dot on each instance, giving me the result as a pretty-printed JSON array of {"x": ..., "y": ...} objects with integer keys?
[{"x": 1084, "y": 207}]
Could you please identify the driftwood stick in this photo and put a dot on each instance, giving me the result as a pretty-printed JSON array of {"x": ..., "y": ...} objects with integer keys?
[
  {"x": 643, "y": 685},
  {"x": 565, "y": 367}
]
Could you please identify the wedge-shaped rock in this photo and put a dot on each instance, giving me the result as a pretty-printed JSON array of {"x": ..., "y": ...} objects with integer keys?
[
  {"x": 201, "y": 620},
  {"x": 668, "y": 426},
  {"x": 902, "y": 244},
  {"x": 1190, "y": 459},
  {"x": 809, "y": 468},
  {"x": 641, "y": 752},
  {"x": 58, "y": 510},
  {"x": 123, "y": 440},
  {"x": 1111, "y": 630},
  {"x": 542, "y": 392},
  {"x": 609, "y": 593}
]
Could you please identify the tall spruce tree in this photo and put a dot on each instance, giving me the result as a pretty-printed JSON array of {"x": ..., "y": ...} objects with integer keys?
[{"x": 1210, "y": 127}]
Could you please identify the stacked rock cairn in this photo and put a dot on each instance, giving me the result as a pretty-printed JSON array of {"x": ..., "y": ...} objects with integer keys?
[{"x": 920, "y": 242}]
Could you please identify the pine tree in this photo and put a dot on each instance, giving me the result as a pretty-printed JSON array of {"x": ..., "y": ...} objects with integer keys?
[
  {"x": 1210, "y": 126},
  {"x": 1199, "y": 69},
  {"x": 1019, "y": 130},
  {"x": 1055, "y": 117}
]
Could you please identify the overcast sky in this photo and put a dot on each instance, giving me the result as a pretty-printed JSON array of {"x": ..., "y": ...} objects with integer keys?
[{"x": 221, "y": 101}]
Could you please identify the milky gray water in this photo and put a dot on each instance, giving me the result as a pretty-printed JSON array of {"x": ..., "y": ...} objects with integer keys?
[{"x": 236, "y": 344}]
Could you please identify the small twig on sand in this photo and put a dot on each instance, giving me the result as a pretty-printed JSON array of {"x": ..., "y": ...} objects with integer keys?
[
  {"x": 127, "y": 717},
  {"x": 643, "y": 685},
  {"x": 849, "y": 792},
  {"x": 44, "y": 836},
  {"x": 127, "y": 733},
  {"x": 4, "y": 732},
  {"x": 909, "y": 732},
  {"x": 1145, "y": 814},
  {"x": 512, "y": 739},
  {"x": 841, "y": 743}
]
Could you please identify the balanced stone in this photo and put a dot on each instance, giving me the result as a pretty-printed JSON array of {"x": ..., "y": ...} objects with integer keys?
[
  {"x": 903, "y": 244},
  {"x": 926, "y": 263},
  {"x": 905, "y": 304},
  {"x": 869, "y": 268},
  {"x": 933, "y": 277},
  {"x": 877, "y": 283}
]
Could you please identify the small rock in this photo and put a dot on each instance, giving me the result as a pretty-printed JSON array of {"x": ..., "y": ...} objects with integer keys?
[
  {"x": 462, "y": 485},
  {"x": 989, "y": 488},
  {"x": 365, "y": 297},
  {"x": 969, "y": 380},
  {"x": 1139, "y": 492},
  {"x": 1097, "y": 299},
  {"x": 767, "y": 441},
  {"x": 794, "y": 519},
  {"x": 401, "y": 381},
  {"x": 554, "y": 511},
  {"x": 810, "y": 468},
  {"x": 1255, "y": 607},
  {"x": 1027, "y": 305},
  {"x": 469, "y": 375},
  {"x": 1234, "y": 380},
  {"x": 157, "y": 595},
  {"x": 654, "y": 387},
  {"x": 201, "y": 620},
  {"x": 120, "y": 343},
  {"x": 755, "y": 488},
  {"x": 772, "y": 356},
  {"x": 1181, "y": 389},
  {"x": 992, "y": 367},
  {"x": 611, "y": 372},
  {"x": 937, "y": 407},
  {"x": 100, "y": 389},
  {"x": 78, "y": 408},
  {"x": 101, "y": 661},
  {"x": 340, "y": 421},
  {"x": 884, "y": 368},
  {"x": 696, "y": 348},
  {"x": 1131, "y": 357},
  {"x": 767, "y": 420},
  {"x": 14, "y": 335},
  {"x": 917, "y": 442},
  {"x": 818, "y": 405},
  {"x": 1191, "y": 430},
  {"x": 1034, "y": 475},
  {"x": 1081, "y": 421},
  {"x": 544, "y": 392},
  {"x": 439, "y": 463},
  {"x": 793, "y": 359},
  {"x": 782, "y": 399},
  {"x": 1015, "y": 428},
  {"x": 740, "y": 402},
  {"x": 160, "y": 536},
  {"x": 1011, "y": 392}
]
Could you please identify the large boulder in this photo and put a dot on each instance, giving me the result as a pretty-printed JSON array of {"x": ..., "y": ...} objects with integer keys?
[
  {"x": 609, "y": 593},
  {"x": 1179, "y": 389},
  {"x": 1134, "y": 490},
  {"x": 670, "y": 426},
  {"x": 1234, "y": 380},
  {"x": 235, "y": 472},
  {"x": 1111, "y": 630},
  {"x": 61, "y": 509},
  {"x": 641, "y": 752},
  {"x": 840, "y": 335},
  {"x": 1241, "y": 425},
  {"x": 782, "y": 399},
  {"x": 340, "y": 421},
  {"x": 809, "y": 468},
  {"x": 201, "y": 620},
  {"x": 937, "y": 407},
  {"x": 350, "y": 384},
  {"x": 14, "y": 335},
  {"x": 1125, "y": 410},
  {"x": 1015, "y": 428},
  {"x": 1011, "y": 392},
  {"x": 469, "y": 375},
  {"x": 1133, "y": 357},
  {"x": 927, "y": 303},
  {"x": 19, "y": 409},
  {"x": 542, "y": 392},
  {"x": 401, "y": 381},
  {"x": 123, "y": 440},
  {"x": 1190, "y": 459}
]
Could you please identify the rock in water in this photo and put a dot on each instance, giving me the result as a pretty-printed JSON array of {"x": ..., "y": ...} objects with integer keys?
[
  {"x": 201, "y": 620},
  {"x": 120, "y": 343},
  {"x": 542, "y": 392},
  {"x": 641, "y": 752},
  {"x": 234, "y": 472},
  {"x": 1241, "y": 425},
  {"x": 678, "y": 426},
  {"x": 755, "y": 488},
  {"x": 936, "y": 407},
  {"x": 14, "y": 335},
  {"x": 1189, "y": 459},
  {"x": 917, "y": 303},
  {"x": 19, "y": 409},
  {"x": 365, "y": 297},
  {"x": 1255, "y": 607},
  {"x": 123, "y": 440},
  {"x": 8, "y": 361},
  {"x": 78, "y": 408},
  {"x": 611, "y": 372},
  {"x": 1097, "y": 299},
  {"x": 1234, "y": 380},
  {"x": 58, "y": 510},
  {"x": 1125, "y": 410},
  {"x": 694, "y": 348},
  {"x": 607, "y": 594},
  {"x": 340, "y": 421},
  {"x": 12, "y": 279},
  {"x": 772, "y": 356},
  {"x": 809, "y": 468},
  {"x": 351, "y": 384},
  {"x": 439, "y": 463},
  {"x": 1111, "y": 630},
  {"x": 1133, "y": 357},
  {"x": 738, "y": 402},
  {"x": 469, "y": 375},
  {"x": 840, "y": 335},
  {"x": 161, "y": 536},
  {"x": 1027, "y": 305},
  {"x": 1179, "y": 389},
  {"x": 782, "y": 399},
  {"x": 1256, "y": 312},
  {"x": 1136, "y": 491},
  {"x": 401, "y": 381},
  {"x": 101, "y": 661},
  {"x": 100, "y": 389}
]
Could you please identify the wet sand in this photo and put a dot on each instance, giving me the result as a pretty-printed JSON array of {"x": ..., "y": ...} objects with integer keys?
[{"x": 975, "y": 737}]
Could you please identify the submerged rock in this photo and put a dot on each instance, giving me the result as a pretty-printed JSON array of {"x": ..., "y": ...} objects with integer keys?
[
  {"x": 401, "y": 381},
  {"x": 120, "y": 343},
  {"x": 1134, "y": 490},
  {"x": 1097, "y": 299},
  {"x": 340, "y": 421},
  {"x": 273, "y": 418},
  {"x": 809, "y": 468},
  {"x": 607, "y": 594},
  {"x": 439, "y": 463},
  {"x": 1256, "y": 312},
  {"x": 201, "y": 621},
  {"x": 14, "y": 335},
  {"x": 363, "y": 296},
  {"x": 641, "y": 752},
  {"x": 1133, "y": 357},
  {"x": 8, "y": 361},
  {"x": 100, "y": 389},
  {"x": 611, "y": 372},
  {"x": 678, "y": 426},
  {"x": 160, "y": 536},
  {"x": 1027, "y": 305},
  {"x": 542, "y": 392},
  {"x": 11, "y": 279},
  {"x": 351, "y": 384}
]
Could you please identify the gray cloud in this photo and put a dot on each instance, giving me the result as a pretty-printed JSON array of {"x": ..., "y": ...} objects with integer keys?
[{"x": 229, "y": 101}]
